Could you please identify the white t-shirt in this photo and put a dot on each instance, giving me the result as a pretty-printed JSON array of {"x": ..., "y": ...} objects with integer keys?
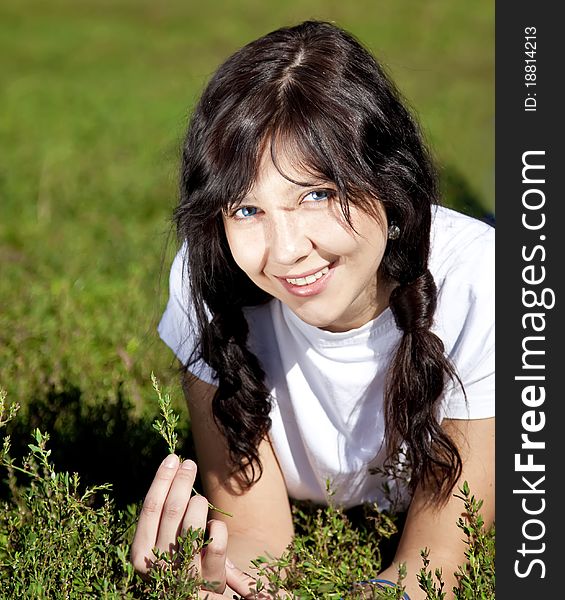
[{"x": 327, "y": 387}]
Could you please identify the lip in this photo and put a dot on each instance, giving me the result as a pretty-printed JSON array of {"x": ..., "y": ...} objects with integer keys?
[
  {"x": 311, "y": 289},
  {"x": 305, "y": 274}
]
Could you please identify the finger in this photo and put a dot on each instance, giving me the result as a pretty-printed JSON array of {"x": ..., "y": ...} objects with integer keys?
[
  {"x": 175, "y": 506},
  {"x": 240, "y": 582},
  {"x": 207, "y": 595},
  {"x": 246, "y": 586},
  {"x": 195, "y": 518},
  {"x": 214, "y": 556},
  {"x": 196, "y": 515},
  {"x": 143, "y": 543}
]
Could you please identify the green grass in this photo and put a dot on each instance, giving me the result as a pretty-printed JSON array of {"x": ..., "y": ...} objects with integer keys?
[{"x": 94, "y": 99}]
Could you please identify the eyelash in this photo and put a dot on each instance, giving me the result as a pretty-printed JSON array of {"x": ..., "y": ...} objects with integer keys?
[
  {"x": 238, "y": 218},
  {"x": 329, "y": 195}
]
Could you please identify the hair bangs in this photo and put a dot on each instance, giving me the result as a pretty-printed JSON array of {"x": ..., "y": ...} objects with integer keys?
[
  {"x": 313, "y": 146},
  {"x": 233, "y": 163}
]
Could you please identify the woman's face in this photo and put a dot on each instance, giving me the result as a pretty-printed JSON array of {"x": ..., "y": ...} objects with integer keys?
[{"x": 294, "y": 243}]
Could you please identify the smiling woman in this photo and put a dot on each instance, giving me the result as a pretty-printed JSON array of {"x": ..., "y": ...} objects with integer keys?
[{"x": 333, "y": 321}]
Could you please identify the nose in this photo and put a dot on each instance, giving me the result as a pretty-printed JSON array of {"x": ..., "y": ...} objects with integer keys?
[{"x": 289, "y": 240}]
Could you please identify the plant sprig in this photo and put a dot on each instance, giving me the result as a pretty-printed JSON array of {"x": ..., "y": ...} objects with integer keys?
[{"x": 167, "y": 429}]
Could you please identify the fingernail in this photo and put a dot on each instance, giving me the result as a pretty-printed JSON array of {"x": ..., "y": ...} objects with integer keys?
[
  {"x": 170, "y": 461},
  {"x": 229, "y": 563},
  {"x": 188, "y": 464}
]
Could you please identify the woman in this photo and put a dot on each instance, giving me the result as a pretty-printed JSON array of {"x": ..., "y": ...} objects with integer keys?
[{"x": 330, "y": 317}]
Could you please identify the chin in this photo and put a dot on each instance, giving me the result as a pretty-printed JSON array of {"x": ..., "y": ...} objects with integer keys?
[{"x": 316, "y": 320}]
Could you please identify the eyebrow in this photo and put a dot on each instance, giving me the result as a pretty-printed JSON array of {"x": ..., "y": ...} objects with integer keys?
[{"x": 293, "y": 186}]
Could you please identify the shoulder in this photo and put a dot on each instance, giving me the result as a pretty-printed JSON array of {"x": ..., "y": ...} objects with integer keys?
[
  {"x": 179, "y": 277},
  {"x": 462, "y": 263},
  {"x": 461, "y": 247}
]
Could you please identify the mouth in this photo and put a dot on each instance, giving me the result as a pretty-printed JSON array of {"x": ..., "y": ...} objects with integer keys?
[
  {"x": 308, "y": 284},
  {"x": 308, "y": 279}
]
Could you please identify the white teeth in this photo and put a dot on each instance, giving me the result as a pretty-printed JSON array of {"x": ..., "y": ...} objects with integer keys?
[{"x": 309, "y": 278}]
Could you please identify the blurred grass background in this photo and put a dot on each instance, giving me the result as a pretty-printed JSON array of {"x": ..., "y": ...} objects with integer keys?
[{"x": 94, "y": 99}]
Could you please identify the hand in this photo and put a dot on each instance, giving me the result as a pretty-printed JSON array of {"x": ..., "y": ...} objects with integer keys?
[{"x": 169, "y": 510}]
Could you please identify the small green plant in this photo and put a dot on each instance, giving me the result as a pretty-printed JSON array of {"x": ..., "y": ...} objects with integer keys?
[
  {"x": 60, "y": 540},
  {"x": 476, "y": 578},
  {"x": 329, "y": 557},
  {"x": 175, "y": 576},
  {"x": 432, "y": 587},
  {"x": 167, "y": 428},
  {"x": 55, "y": 541},
  {"x": 6, "y": 413}
]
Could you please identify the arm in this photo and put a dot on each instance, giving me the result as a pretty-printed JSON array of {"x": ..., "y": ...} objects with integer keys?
[
  {"x": 436, "y": 527},
  {"x": 262, "y": 520}
]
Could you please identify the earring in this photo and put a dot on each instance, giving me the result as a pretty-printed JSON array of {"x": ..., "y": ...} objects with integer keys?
[{"x": 393, "y": 232}]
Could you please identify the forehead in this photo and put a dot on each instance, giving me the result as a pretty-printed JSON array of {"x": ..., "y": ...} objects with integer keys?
[{"x": 283, "y": 170}]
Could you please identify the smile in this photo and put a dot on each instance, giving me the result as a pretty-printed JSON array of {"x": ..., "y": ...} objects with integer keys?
[
  {"x": 310, "y": 284},
  {"x": 300, "y": 281}
]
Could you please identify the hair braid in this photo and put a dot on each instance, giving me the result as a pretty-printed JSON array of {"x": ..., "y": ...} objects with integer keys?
[
  {"x": 416, "y": 381},
  {"x": 242, "y": 398}
]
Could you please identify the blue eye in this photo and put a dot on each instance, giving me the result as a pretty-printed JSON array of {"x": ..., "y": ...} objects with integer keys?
[
  {"x": 245, "y": 212},
  {"x": 317, "y": 196}
]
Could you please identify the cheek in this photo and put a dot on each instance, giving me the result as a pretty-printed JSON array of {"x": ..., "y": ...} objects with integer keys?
[
  {"x": 360, "y": 246},
  {"x": 374, "y": 250},
  {"x": 339, "y": 244},
  {"x": 247, "y": 250},
  {"x": 372, "y": 237},
  {"x": 333, "y": 235}
]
